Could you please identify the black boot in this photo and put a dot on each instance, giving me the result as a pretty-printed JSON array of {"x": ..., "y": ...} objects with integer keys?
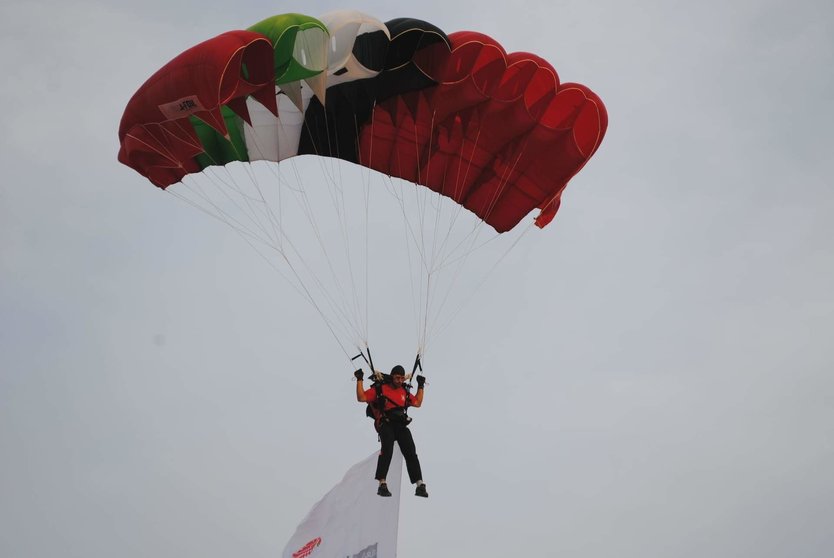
[
  {"x": 383, "y": 490},
  {"x": 421, "y": 491}
]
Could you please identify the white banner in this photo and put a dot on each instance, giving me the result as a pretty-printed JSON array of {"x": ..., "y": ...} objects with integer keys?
[{"x": 351, "y": 521}]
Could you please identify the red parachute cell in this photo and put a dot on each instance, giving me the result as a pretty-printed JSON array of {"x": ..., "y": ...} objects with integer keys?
[
  {"x": 156, "y": 138},
  {"x": 498, "y": 134}
]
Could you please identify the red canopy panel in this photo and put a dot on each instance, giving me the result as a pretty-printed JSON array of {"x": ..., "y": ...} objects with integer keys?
[
  {"x": 498, "y": 134},
  {"x": 157, "y": 139}
]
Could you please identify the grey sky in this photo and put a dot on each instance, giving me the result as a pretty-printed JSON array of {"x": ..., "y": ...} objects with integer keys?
[{"x": 651, "y": 375}]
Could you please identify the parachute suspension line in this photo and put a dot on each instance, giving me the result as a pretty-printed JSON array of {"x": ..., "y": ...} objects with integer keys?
[
  {"x": 278, "y": 246},
  {"x": 461, "y": 264},
  {"x": 455, "y": 276},
  {"x": 336, "y": 307},
  {"x": 328, "y": 172},
  {"x": 478, "y": 227},
  {"x": 366, "y": 170},
  {"x": 300, "y": 288},
  {"x": 302, "y": 199},
  {"x": 344, "y": 214},
  {"x": 283, "y": 236},
  {"x": 425, "y": 276},
  {"x": 458, "y": 192},
  {"x": 419, "y": 194},
  {"x": 412, "y": 236},
  {"x": 472, "y": 238},
  {"x": 261, "y": 201},
  {"x": 276, "y": 220},
  {"x": 228, "y": 220},
  {"x": 459, "y": 183},
  {"x": 424, "y": 196},
  {"x": 407, "y": 232},
  {"x": 486, "y": 275},
  {"x": 347, "y": 326},
  {"x": 366, "y": 186},
  {"x": 398, "y": 192},
  {"x": 366, "y": 190},
  {"x": 330, "y": 168},
  {"x": 449, "y": 260},
  {"x": 430, "y": 260},
  {"x": 502, "y": 186},
  {"x": 224, "y": 188},
  {"x": 306, "y": 128},
  {"x": 347, "y": 293},
  {"x": 337, "y": 194},
  {"x": 400, "y": 196},
  {"x": 473, "y": 235},
  {"x": 433, "y": 294},
  {"x": 440, "y": 255},
  {"x": 431, "y": 266},
  {"x": 457, "y": 212}
]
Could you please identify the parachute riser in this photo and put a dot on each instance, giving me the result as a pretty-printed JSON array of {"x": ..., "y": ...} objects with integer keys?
[
  {"x": 417, "y": 365},
  {"x": 369, "y": 360}
]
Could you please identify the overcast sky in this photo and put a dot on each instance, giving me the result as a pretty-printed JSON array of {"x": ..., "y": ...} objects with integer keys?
[{"x": 649, "y": 376}]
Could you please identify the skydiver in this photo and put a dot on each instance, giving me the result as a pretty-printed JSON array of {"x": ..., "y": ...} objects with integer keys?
[{"x": 391, "y": 423}]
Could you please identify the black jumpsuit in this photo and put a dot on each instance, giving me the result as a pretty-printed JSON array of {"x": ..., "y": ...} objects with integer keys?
[{"x": 392, "y": 428}]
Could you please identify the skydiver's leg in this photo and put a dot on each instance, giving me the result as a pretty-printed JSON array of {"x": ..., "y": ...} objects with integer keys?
[
  {"x": 386, "y": 438},
  {"x": 412, "y": 463}
]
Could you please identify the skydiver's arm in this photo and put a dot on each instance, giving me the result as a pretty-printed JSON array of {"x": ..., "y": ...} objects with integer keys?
[
  {"x": 360, "y": 392},
  {"x": 417, "y": 400}
]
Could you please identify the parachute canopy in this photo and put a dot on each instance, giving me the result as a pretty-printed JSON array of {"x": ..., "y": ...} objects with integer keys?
[{"x": 496, "y": 132}]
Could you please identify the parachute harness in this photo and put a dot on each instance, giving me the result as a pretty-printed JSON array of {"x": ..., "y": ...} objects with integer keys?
[{"x": 376, "y": 409}]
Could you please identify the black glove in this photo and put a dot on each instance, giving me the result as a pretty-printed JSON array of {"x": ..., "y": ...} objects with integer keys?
[
  {"x": 420, "y": 381},
  {"x": 359, "y": 375}
]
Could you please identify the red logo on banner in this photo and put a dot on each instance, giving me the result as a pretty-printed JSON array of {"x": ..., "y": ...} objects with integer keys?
[{"x": 307, "y": 549}]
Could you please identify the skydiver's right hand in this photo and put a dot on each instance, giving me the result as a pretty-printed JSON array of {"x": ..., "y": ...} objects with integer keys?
[{"x": 359, "y": 375}]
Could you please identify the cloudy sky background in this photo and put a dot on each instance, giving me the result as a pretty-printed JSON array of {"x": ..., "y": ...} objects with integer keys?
[{"x": 651, "y": 375}]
